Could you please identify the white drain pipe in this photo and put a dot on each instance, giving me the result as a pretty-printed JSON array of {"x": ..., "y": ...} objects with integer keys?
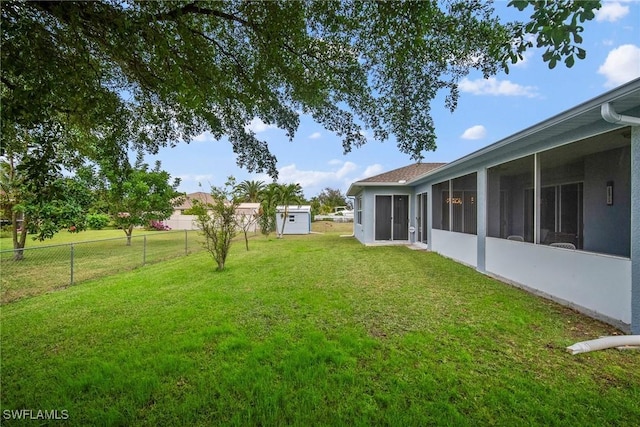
[
  {"x": 604, "y": 343},
  {"x": 609, "y": 114}
]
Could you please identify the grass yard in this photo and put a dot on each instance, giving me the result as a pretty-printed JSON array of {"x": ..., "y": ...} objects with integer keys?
[
  {"x": 309, "y": 330},
  {"x": 47, "y": 265}
]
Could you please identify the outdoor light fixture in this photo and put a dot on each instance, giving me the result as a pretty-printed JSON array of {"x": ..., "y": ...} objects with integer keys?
[{"x": 609, "y": 193}]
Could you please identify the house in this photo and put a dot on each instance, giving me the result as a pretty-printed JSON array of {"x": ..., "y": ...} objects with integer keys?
[
  {"x": 554, "y": 208},
  {"x": 297, "y": 218},
  {"x": 181, "y": 221}
]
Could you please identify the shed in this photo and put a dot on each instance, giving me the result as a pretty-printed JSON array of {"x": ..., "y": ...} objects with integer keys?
[{"x": 297, "y": 219}]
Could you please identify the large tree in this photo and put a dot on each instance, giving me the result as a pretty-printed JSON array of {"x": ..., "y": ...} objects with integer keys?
[
  {"x": 330, "y": 198},
  {"x": 40, "y": 204},
  {"x": 138, "y": 195},
  {"x": 116, "y": 72}
]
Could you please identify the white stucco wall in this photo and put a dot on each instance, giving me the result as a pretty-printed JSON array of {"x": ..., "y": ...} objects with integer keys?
[
  {"x": 459, "y": 246},
  {"x": 599, "y": 283}
]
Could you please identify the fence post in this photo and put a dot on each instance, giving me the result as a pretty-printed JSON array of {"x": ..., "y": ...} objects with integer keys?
[
  {"x": 144, "y": 250},
  {"x": 186, "y": 247},
  {"x": 71, "y": 275}
]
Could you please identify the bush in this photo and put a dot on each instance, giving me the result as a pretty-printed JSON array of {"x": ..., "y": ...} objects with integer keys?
[
  {"x": 97, "y": 221},
  {"x": 5, "y": 231},
  {"x": 159, "y": 226}
]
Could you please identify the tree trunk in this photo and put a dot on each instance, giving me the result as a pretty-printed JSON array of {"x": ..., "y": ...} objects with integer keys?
[
  {"x": 18, "y": 242},
  {"x": 284, "y": 221},
  {"x": 128, "y": 231}
]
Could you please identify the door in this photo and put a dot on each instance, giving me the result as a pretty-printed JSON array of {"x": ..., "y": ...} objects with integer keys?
[
  {"x": 421, "y": 217},
  {"x": 383, "y": 218},
  {"x": 400, "y": 218},
  {"x": 392, "y": 217}
]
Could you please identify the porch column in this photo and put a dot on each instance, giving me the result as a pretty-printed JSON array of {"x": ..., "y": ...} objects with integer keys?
[
  {"x": 429, "y": 213},
  {"x": 481, "y": 206},
  {"x": 536, "y": 198},
  {"x": 635, "y": 230}
]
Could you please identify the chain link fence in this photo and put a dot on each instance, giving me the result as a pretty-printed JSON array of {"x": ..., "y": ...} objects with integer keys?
[{"x": 41, "y": 269}]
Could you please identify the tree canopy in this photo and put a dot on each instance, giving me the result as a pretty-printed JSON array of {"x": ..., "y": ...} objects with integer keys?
[
  {"x": 95, "y": 78},
  {"x": 140, "y": 195}
]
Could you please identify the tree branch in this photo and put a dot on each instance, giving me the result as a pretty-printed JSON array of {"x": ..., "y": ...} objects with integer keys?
[{"x": 193, "y": 8}]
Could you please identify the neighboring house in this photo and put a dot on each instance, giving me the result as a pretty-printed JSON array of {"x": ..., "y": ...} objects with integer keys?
[
  {"x": 511, "y": 209},
  {"x": 181, "y": 221},
  {"x": 298, "y": 219}
]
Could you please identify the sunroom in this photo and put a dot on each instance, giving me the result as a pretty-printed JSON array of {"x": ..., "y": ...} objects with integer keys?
[{"x": 554, "y": 208}]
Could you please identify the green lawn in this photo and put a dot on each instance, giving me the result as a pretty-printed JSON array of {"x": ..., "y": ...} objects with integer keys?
[
  {"x": 47, "y": 265},
  {"x": 310, "y": 330}
]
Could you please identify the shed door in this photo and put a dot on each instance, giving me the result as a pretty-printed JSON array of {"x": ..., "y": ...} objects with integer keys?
[{"x": 383, "y": 218}]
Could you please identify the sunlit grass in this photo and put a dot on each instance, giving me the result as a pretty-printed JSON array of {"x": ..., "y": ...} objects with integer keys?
[{"x": 310, "y": 330}]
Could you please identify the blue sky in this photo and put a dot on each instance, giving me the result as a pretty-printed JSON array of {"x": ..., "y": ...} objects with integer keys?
[{"x": 488, "y": 111}]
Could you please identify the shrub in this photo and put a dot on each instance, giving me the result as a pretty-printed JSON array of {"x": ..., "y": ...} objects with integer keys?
[
  {"x": 5, "y": 231},
  {"x": 159, "y": 226},
  {"x": 97, "y": 221}
]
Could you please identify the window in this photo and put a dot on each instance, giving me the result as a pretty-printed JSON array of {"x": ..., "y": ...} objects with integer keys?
[
  {"x": 464, "y": 206},
  {"x": 359, "y": 210},
  {"x": 510, "y": 200},
  {"x": 440, "y": 207},
  {"x": 456, "y": 211},
  {"x": 584, "y": 196}
]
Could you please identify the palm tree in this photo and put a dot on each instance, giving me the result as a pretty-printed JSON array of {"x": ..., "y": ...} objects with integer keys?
[
  {"x": 268, "y": 203},
  {"x": 249, "y": 191},
  {"x": 288, "y": 194}
]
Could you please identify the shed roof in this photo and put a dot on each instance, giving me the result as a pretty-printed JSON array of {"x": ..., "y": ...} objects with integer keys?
[{"x": 294, "y": 208}]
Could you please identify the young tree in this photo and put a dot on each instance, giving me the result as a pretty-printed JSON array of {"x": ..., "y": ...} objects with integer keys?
[
  {"x": 217, "y": 222},
  {"x": 190, "y": 67},
  {"x": 140, "y": 195},
  {"x": 287, "y": 194},
  {"x": 246, "y": 221}
]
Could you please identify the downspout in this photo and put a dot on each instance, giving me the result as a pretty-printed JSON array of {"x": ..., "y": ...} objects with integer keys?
[
  {"x": 610, "y": 115},
  {"x": 630, "y": 341}
]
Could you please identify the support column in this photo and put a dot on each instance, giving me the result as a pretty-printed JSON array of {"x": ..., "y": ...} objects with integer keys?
[
  {"x": 635, "y": 230},
  {"x": 536, "y": 198},
  {"x": 481, "y": 219},
  {"x": 429, "y": 215}
]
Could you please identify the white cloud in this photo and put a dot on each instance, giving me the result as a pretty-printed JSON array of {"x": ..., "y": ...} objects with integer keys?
[
  {"x": 204, "y": 137},
  {"x": 372, "y": 170},
  {"x": 315, "y": 135},
  {"x": 339, "y": 175},
  {"x": 611, "y": 11},
  {"x": 493, "y": 86},
  {"x": 474, "y": 132},
  {"x": 622, "y": 65},
  {"x": 258, "y": 126}
]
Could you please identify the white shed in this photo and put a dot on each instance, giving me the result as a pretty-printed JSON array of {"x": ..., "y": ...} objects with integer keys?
[{"x": 297, "y": 219}]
